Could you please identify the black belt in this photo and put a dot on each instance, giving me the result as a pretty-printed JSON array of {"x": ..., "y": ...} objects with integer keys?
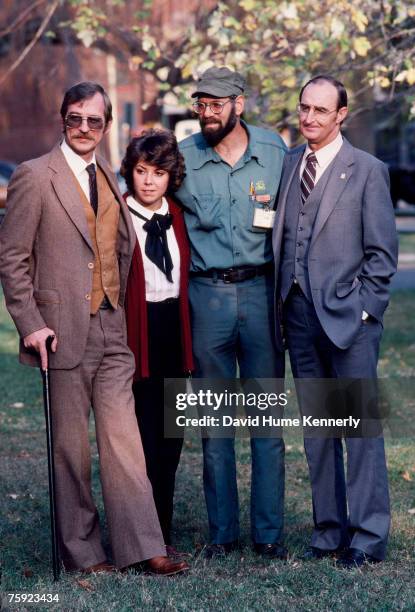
[
  {"x": 235, "y": 275},
  {"x": 161, "y": 302}
]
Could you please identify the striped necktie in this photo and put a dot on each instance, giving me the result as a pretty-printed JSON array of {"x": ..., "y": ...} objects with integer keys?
[{"x": 309, "y": 176}]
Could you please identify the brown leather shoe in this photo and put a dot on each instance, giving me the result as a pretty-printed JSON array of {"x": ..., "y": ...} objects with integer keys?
[
  {"x": 163, "y": 566},
  {"x": 100, "y": 568}
]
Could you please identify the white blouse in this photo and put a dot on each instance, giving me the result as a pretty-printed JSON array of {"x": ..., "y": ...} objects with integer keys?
[{"x": 158, "y": 288}]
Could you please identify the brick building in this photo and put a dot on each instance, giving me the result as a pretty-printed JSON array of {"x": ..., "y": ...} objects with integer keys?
[{"x": 30, "y": 97}]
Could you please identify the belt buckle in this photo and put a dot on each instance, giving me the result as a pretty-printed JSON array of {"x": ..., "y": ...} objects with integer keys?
[{"x": 227, "y": 276}]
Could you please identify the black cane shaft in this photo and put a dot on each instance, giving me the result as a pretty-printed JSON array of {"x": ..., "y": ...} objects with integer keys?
[{"x": 51, "y": 467}]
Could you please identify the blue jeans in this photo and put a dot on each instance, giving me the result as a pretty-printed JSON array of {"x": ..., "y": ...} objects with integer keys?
[{"x": 233, "y": 324}]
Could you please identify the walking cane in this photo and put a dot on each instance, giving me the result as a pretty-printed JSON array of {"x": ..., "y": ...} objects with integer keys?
[{"x": 51, "y": 465}]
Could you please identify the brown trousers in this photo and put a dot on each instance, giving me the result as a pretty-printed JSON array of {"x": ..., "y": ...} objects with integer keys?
[{"x": 102, "y": 380}]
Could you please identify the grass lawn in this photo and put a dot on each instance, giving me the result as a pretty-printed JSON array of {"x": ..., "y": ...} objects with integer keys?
[
  {"x": 239, "y": 582},
  {"x": 407, "y": 244}
]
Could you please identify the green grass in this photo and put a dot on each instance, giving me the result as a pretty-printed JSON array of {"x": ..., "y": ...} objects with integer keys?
[
  {"x": 407, "y": 243},
  {"x": 239, "y": 582}
]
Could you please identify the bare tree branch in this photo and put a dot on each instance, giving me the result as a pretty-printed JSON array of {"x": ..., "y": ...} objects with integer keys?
[
  {"x": 32, "y": 43},
  {"x": 21, "y": 18}
]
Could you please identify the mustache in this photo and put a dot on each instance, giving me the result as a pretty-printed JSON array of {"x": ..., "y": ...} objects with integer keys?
[
  {"x": 83, "y": 136},
  {"x": 209, "y": 121}
]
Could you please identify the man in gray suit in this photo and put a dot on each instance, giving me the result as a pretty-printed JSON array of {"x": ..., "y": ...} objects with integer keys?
[
  {"x": 335, "y": 248},
  {"x": 66, "y": 246}
]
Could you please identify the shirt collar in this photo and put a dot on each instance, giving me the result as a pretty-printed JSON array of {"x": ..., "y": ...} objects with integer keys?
[
  {"x": 326, "y": 154},
  {"x": 75, "y": 162},
  {"x": 208, "y": 153},
  {"x": 143, "y": 210},
  {"x": 253, "y": 149}
]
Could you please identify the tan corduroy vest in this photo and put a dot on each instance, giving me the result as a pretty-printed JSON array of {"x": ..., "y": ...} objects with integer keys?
[{"x": 103, "y": 230}]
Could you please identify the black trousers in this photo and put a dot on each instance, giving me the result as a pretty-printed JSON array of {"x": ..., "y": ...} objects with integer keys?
[{"x": 165, "y": 361}]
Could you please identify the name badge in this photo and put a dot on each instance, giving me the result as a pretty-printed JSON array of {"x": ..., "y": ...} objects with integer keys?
[{"x": 264, "y": 218}]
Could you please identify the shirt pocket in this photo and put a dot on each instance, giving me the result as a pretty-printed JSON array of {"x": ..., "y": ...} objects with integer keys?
[{"x": 207, "y": 211}]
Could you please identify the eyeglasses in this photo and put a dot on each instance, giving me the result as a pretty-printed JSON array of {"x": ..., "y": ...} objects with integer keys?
[
  {"x": 216, "y": 107},
  {"x": 318, "y": 111},
  {"x": 75, "y": 121}
]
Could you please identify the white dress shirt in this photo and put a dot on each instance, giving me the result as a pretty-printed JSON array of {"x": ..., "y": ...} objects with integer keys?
[
  {"x": 158, "y": 288},
  {"x": 324, "y": 156},
  {"x": 78, "y": 165}
]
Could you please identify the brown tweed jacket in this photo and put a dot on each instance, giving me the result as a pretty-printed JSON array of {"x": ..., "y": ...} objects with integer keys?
[{"x": 45, "y": 249}]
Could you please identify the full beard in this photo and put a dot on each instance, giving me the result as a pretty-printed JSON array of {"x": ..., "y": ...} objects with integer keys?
[{"x": 213, "y": 137}]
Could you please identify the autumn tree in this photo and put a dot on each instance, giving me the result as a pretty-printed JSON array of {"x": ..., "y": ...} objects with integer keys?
[{"x": 369, "y": 44}]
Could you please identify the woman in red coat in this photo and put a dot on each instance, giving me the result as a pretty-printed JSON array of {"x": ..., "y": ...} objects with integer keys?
[{"x": 157, "y": 309}]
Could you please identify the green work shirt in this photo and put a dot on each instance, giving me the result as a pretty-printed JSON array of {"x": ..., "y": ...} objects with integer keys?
[{"x": 218, "y": 200}]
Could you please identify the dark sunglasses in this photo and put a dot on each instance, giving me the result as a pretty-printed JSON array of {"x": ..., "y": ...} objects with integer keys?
[{"x": 75, "y": 121}]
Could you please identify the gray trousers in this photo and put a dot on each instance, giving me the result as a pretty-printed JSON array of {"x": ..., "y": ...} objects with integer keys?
[
  {"x": 348, "y": 510},
  {"x": 103, "y": 380}
]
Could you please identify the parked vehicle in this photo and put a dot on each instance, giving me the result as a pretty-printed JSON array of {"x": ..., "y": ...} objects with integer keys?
[
  {"x": 402, "y": 185},
  {"x": 6, "y": 170}
]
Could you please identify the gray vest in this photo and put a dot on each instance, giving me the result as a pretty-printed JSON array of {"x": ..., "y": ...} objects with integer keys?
[{"x": 298, "y": 229}]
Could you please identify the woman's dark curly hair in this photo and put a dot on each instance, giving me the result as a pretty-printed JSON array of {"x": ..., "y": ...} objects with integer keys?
[{"x": 158, "y": 148}]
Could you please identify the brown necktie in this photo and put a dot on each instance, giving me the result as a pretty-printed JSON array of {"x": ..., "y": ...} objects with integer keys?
[
  {"x": 93, "y": 189},
  {"x": 309, "y": 176}
]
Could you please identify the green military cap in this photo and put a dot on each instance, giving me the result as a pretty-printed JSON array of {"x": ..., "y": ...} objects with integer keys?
[{"x": 220, "y": 83}]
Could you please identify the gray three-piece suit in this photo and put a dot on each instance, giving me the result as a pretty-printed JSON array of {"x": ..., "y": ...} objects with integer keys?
[{"x": 335, "y": 256}]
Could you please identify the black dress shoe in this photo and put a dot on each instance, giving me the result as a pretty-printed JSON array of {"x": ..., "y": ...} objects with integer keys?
[
  {"x": 271, "y": 551},
  {"x": 314, "y": 554},
  {"x": 216, "y": 551},
  {"x": 354, "y": 557}
]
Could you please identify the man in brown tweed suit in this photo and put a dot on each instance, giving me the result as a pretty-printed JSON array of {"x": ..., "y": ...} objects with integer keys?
[{"x": 66, "y": 245}]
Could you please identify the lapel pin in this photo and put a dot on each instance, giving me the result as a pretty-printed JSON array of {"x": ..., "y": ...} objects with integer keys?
[{"x": 342, "y": 176}]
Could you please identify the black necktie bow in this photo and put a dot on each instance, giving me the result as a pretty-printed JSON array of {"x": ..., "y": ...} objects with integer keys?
[{"x": 156, "y": 247}]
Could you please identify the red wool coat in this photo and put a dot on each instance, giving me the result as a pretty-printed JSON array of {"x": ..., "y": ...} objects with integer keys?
[{"x": 135, "y": 301}]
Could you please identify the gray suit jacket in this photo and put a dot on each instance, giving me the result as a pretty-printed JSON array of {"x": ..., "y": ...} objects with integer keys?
[
  {"x": 45, "y": 249},
  {"x": 353, "y": 250}
]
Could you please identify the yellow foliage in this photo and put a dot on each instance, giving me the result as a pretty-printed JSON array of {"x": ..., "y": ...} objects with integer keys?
[
  {"x": 384, "y": 81},
  {"x": 187, "y": 71},
  {"x": 250, "y": 23},
  {"x": 359, "y": 19},
  {"x": 248, "y": 5},
  {"x": 289, "y": 81},
  {"x": 406, "y": 75},
  {"x": 361, "y": 45}
]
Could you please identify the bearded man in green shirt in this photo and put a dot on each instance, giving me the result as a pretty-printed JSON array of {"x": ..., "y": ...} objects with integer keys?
[{"x": 232, "y": 176}]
